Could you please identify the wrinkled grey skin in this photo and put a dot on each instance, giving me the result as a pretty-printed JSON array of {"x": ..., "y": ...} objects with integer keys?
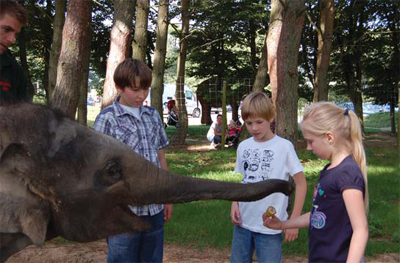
[{"x": 59, "y": 178}]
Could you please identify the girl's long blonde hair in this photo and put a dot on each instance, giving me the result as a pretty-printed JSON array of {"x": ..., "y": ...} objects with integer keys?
[{"x": 322, "y": 117}]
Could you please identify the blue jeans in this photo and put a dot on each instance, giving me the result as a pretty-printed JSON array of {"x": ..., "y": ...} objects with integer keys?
[
  {"x": 146, "y": 246},
  {"x": 268, "y": 247},
  {"x": 217, "y": 139}
]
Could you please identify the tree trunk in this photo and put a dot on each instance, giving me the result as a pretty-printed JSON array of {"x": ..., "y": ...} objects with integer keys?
[
  {"x": 119, "y": 46},
  {"x": 262, "y": 71},
  {"x": 58, "y": 23},
  {"x": 205, "y": 111},
  {"x": 159, "y": 57},
  {"x": 395, "y": 68},
  {"x": 83, "y": 90},
  {"x": 139, "y": 44},
  {"x": 47, "y": 37},
  {"x": 70, "y": 64},
  {"x": 352, "y": 57},
  {"x": 180, "y": 80},
  {"x": 283, "y": 41},
  {"x": 325, "y": 32}
]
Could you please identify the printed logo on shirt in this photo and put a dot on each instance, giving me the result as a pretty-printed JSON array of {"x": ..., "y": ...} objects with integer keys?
[
  {"x": 318, "y": 220},
  {"x": 256, "y": 165},
  {"x": 5, "y": 86}
]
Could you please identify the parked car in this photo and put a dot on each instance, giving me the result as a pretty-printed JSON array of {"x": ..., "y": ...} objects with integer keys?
[{"x": 90, "y": 101}]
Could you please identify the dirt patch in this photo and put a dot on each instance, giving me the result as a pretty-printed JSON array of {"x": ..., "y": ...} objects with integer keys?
[{"x": 95, "y": 252}]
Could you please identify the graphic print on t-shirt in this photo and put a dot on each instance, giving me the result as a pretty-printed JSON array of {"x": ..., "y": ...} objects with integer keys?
[{"x": 256, "y": 165}]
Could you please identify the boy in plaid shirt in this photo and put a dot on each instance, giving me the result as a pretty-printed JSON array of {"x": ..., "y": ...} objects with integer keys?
[{"x": 140, "y": 127}]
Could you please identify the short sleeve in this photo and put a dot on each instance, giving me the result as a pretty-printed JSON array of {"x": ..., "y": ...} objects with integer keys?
[
  {"x": 164, "y": 142},
  {"x": 102, "y": 124},
  {"x": 350, "y": 178},
  {"x": 293, "y": 163}
]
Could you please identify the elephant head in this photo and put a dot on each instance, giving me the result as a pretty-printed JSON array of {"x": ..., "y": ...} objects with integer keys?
[{"x": 59, "y": 178}]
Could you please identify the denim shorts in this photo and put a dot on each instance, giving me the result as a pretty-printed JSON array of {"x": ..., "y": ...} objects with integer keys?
[
  {"x": 146, "y": 246},
  {"x": 268, "y": 247}
]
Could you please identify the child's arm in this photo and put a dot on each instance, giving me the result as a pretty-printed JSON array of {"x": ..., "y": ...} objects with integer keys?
[
  {"x": 235, "y": 214},
  {"x": 167, "y": 207},
  {"x": 298, "y": 222},
  {"x": 353, "y": 199},
  {"x": 301, "y": 191}
]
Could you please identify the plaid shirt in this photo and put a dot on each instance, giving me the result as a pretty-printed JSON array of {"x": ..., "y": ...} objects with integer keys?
[{"x": 145, "y": 136}]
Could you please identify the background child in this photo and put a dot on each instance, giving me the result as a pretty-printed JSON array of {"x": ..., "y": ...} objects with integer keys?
[
  {"x": 261, "y": 157},
  {"x": 338, "y": 228},
  {"x": 141, "y": 128},
  {"x": 173, "y": 119},
  {"x": 233, "y": 132}
]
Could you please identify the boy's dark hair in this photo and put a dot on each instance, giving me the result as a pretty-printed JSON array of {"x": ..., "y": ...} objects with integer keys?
[
  {"x": 128, "y": 70},
  {"x": 13, "y": 8}
]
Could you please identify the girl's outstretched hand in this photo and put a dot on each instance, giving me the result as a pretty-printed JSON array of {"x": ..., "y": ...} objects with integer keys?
[{"x": 272, "y": 222}]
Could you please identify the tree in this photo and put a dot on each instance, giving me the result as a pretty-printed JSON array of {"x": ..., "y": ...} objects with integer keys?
[
  {"x": 70, "y": 64},
  {"x": 139, "y": 44},
  {"x": 262, "y": 72},
  {"x": 159, "y": 56},
  {"x": 283, "y": 41},
  {"x": 119, "y": 46},
  {"x": 58, "y": 24},
  {"x": 325, "y": 32},
  {"x": 180, "y": 80}
]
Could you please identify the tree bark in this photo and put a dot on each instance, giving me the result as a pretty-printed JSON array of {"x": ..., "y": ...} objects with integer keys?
[
  {"x": 325, "y": 32},
  {"x": 283, "y": 41},
  {"x": 70, "y": 64},
  {"x": 180, "y": 80},
  {"x": 139, "y": 44},
  {"x": 119, "y": 46},
  {"x": 83, "y": 90},
  {"x": 159, "y": 57},
  {"x": 262, "y": 71},
  {"x": 351, "y": 62},
  {"x": 58, "y": 23}
]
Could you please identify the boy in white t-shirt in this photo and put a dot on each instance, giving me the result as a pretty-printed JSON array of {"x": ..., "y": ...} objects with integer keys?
[{"x": 261, "y": 157}]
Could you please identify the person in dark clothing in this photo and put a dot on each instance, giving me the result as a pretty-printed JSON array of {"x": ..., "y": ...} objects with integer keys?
[{"x": 13, "y": 83}]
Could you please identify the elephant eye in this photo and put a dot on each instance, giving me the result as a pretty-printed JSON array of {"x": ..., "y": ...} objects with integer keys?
[{"x": 109, "y": 174}]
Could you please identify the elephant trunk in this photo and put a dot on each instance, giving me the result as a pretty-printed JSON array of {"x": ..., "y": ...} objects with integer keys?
[{"x": 168, "y": 188}]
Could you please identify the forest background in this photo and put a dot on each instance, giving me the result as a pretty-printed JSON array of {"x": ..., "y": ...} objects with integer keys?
[{"x": 299, "y": 51}]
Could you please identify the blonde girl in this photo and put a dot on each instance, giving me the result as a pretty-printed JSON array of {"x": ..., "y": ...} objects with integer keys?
[{"x": 338, "y": 228}]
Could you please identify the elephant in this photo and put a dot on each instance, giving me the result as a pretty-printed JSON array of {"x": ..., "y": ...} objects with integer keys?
[{"x": 61, "y": 178}]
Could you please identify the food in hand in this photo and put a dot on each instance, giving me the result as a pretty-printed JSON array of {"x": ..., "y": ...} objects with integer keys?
[{"x": 270, "y": 211}]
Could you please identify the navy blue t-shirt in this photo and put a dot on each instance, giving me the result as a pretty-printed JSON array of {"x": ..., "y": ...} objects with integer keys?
[{"x": 330, "y": 229}]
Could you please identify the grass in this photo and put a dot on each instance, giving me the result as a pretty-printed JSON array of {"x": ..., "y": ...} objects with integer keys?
[
  {"x": 207, "y": 223},
  {"x": 379, "y": 120}
]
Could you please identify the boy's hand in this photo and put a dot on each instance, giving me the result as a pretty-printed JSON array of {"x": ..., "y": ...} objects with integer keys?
[
  {"x": 167, "y": 212},
  {"x": 272, "y": 222},
  {"x": 235, "y": 214},
  {"x": 291, "y": 234}
]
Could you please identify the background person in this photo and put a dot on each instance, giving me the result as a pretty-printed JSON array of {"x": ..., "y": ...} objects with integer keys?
[
  {"x": 13, "y": 83},
  {"x": 215, "y": 132}
]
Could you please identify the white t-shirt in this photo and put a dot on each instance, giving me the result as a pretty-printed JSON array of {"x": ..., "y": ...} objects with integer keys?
[
  {"x": 258, "y": 161},
  {"x": 134, "y": 111}
]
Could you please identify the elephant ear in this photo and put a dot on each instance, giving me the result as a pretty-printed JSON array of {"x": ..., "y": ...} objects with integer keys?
[{"x": 21, "y": 211}]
